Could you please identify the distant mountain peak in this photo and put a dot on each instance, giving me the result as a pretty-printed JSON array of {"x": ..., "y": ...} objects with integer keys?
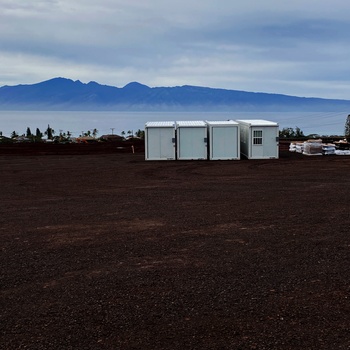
[
  {"x": 57, "y": 79},
  {"x": 136, "y": 86}
]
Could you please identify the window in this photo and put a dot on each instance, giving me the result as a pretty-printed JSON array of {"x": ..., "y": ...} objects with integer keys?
[{"x": 257, "y": 137}]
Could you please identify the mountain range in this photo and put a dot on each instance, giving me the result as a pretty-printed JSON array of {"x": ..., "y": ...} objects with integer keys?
[{"x": 66, "y": 94}]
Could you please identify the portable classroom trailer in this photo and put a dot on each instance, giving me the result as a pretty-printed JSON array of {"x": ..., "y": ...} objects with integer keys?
[
  {"x": 259, "y": 139},
  {"x": 160, "y": 141},
  {"x": 191, "y": 140},
  {"x": 223, "y": 139}
]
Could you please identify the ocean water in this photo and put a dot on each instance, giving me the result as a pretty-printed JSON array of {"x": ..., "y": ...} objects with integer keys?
[{"x": 107, "y": 122}]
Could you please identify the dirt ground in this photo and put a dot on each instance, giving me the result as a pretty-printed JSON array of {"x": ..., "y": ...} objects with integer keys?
[{"x": 103, "y": 250}]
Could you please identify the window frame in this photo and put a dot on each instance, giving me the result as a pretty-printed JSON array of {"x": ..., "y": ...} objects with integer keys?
[{"x": 257, "y": 138}]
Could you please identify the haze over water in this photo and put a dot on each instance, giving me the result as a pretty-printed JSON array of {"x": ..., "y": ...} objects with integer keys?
[{"x": 107, "y": 122}]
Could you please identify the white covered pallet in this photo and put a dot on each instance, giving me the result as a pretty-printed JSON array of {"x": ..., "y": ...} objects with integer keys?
[
  {"x": 299, "y": 147},
  {"x": 342, "y": 152},
  {"x": 328, "y": 149},
  {"x": 313, "y": 148}
]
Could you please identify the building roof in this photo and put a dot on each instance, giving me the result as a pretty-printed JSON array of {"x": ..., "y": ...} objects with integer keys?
[
  {"x": 256, "y": 122},
  {"x": 111, "y": 137},
  {"x": 222, "y": 122},
  {"x": 191, "y": 123},
  {"x": 161, "y": 124}
]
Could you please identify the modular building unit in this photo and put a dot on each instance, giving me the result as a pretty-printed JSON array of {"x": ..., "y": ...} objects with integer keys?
[
  {"x": 259, "y": 139},
  {"x": 160, "y": 141},
  {"x": 191, "y": 140},
  {"x": 223, "y": 140}
]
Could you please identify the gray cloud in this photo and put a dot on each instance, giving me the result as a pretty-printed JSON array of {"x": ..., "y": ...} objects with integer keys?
[{"x": 298, "y": 48}]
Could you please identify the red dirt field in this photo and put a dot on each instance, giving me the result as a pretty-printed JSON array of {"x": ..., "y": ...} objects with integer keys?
[{"x": 103, "y": 250}]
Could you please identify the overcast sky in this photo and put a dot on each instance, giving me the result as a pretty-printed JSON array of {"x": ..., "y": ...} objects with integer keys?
[{"x": 299, "y": 47}]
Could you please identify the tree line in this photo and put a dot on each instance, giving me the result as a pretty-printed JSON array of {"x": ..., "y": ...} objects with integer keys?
[
  {"x": 66, "y": 136},
  {"x": 297, "y": 133},
  {"x": 291, "y": 133},
  {"x": 63, "y": 136}
]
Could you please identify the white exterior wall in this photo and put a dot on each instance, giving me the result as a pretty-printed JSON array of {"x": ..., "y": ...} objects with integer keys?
[
  {"x": 259, "y": 139},
  {"x": 191, "y": 140},
  {"x": 224, "y": 140},
  {"x": 160, "y": 141}
]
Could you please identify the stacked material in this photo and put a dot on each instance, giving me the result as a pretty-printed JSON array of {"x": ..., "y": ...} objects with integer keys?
[
  {"x": 299, "y": 147},
  {"x": 328, "y": 148},
  {"x": 317, "y": 148},
  {"x": 313, "y": 147},
  {"x": 292, "y": 147},
  {"x": 339, "y": 152},
  {"x": 342, "y": 145}
]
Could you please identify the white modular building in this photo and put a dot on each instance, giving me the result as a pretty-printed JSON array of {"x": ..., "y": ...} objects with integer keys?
[
  {"x": 191, "y": 140},
  {"x": 224, "y": 140},
  {"x": 259, "y": 139},
  {"x": 160, "y": 140}
]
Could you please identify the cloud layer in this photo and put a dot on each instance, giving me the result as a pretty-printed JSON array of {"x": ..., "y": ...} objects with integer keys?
[{"x": 298, "y": 48}]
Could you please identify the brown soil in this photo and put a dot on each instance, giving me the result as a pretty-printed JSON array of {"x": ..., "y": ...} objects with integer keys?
[{"x": 103, "y": 250}]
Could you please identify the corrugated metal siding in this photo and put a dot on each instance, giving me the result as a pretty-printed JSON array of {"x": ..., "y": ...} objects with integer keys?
[
  {"x": 191, "y": 123},
  {"x": 222, "y": 122},
  {"x": 257, "y": 122},
  {"x": 163, "y": 124}
]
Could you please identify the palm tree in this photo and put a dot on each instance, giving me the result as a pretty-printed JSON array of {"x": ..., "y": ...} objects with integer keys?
[
  {"x": 140, "y": 133},
  {"x": 94, "y": 132},
  {"x": 14, "y": 134},
  {"x": 29, "y": 133},
  {"x": 38, "y": 134},
  {"x": 49, "y": 132}
]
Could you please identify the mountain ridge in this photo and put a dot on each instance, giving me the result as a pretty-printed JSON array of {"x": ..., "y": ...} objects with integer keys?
[{"x": 65, "y": 94}]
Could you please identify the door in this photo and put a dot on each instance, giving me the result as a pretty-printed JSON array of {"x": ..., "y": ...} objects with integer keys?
[
  {"x": 160, "y": 143},
  {"x": 270, "y": 142},
  {"x": 224, "y": 142},
  {"x": 257, "y": 142},
  {"x": 192, "y": 143}
]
